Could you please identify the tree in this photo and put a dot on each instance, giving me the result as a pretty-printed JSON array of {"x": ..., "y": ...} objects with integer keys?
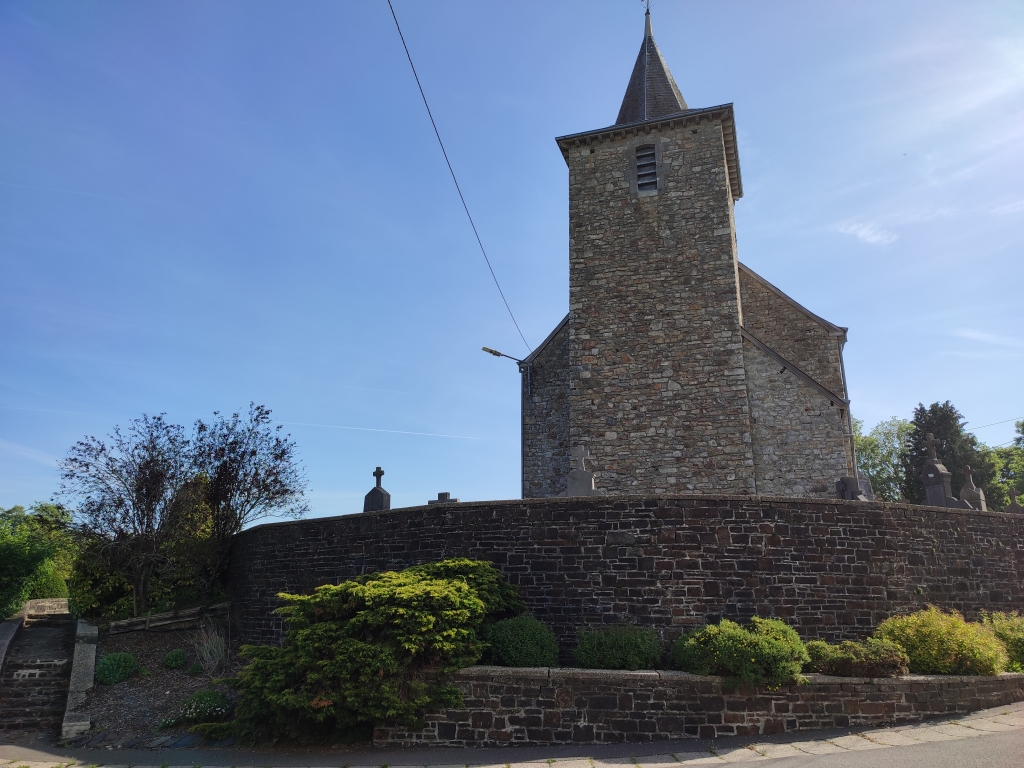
[
  {"x": 21, "y": 555},
  {"x": 880, "y": 456},
  {"x": 957, "y": 449},
  {"x": 252, "y": 472},
  {"x": 125, "y": 494}
]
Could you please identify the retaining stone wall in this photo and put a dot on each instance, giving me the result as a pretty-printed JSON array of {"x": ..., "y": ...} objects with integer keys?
[
  {"x": 558, "y": 706},
  {"x": 832, "y": 569}
]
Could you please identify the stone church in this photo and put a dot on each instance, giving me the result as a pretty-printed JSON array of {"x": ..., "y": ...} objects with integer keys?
[{"x": 678, "y": 368}]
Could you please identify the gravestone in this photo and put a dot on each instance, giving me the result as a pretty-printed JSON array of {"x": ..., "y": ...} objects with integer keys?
[
  {"x": 1014, "y": 507},
  {"x": 849, "y": 488},
  {"x": 936, "y": 479},
  {"x": 972, "y": 494},
  {"x": 580, "y": 482},
  {"x": 377, "y": 499},
  {"x": 443, "y": 498}
]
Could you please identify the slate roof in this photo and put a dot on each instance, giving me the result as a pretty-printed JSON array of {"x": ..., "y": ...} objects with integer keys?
[{"x": 652, "y": 92}]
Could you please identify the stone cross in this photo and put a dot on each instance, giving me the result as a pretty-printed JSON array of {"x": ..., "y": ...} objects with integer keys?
[
  {"x": 1014, "y": 506},
  {"x": 931, "y": 442},
  {"x": 580, "y": 454},
  {"x": 378, "y": 473},
  {"x": 377, "y": 499}
]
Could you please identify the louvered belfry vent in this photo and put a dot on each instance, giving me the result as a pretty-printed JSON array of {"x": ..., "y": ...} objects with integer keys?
[{"x": 646, "y": 168}]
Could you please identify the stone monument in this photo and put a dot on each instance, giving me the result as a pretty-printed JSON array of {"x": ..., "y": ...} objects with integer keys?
[
  {"x": 936, "y": 479},
  {"x": 972, "y": 494},
  {"x": 377, "y": 499},
  {"x": 443, "y": 498},
  {"x": 1014, "y": 507},
  {"x": 580, "y": 482}
]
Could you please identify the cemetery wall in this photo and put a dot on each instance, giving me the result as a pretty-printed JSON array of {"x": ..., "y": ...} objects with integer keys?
[
  {"x": 527, "y": 707},
  {"x": 546, "y": 417},
  {"x": 798, "y": 433},
  {"x": 832, "y": 569}
]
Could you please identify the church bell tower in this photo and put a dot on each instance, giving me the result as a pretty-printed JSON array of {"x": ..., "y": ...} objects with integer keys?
[{"x": 656, "y": 375}]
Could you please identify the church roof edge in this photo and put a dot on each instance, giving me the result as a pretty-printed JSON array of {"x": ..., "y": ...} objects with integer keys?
[
  {"x": 832, "y": 327},
  {"x": 804, "y": 377},
  {"x": 723, "y": 112},
  {"x": 540, "y": 347}
]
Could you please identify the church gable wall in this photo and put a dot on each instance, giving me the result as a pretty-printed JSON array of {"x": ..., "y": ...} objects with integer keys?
[
  {"x": 657, "y": 388},
  {"x": 546, "y": 419},
  {"x": 811, "y": 346},
  {"x": 799, "y": 447}
]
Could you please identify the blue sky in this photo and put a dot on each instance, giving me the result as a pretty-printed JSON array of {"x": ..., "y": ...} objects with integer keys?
[{"x": 206, "y": 203}]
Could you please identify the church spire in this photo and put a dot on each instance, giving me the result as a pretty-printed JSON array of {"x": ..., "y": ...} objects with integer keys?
[{"x": 652, "y": 92}]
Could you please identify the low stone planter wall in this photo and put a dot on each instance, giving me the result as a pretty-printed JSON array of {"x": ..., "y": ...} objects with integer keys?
[{"x": 578, "y": 706}]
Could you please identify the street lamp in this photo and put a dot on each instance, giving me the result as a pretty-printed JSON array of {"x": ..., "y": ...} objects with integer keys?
[{"x": 524, "y": 367}]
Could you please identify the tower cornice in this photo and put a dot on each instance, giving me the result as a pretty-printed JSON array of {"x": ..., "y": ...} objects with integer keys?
[{"x": 723, "y": 112}]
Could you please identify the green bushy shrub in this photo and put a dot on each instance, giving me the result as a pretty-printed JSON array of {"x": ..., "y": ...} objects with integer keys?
[
  {"x": 46, "y": 582},
  {"x": 375, "y": 648},
  {"x": 622, "y": 646},
  {"x": 115, "y": 667},
  {"x": 1009, "y": 628},
  {"x": 175, "y": 659},
  {"x": 766, "y": 653},
  {"x": 522, "y": 642},
  {"x": 945, "y": 644},
  {"x": 872, "y": 658}
]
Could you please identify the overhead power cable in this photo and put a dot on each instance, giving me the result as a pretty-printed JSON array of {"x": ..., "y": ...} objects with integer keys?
[{"x": 452, "y": 171}]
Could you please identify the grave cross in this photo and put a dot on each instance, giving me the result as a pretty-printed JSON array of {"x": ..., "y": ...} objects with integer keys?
[
  {"x": 580, "y": 453},
  {"x": 931, "y": 442},
  {"x": 378, "y": 473}
]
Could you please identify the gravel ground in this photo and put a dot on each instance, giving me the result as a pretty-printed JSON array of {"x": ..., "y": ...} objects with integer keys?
[{"x": 137, "y": 705}]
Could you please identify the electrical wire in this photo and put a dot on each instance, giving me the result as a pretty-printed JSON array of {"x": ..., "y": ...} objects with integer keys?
[{"x": 452, "y": 171}]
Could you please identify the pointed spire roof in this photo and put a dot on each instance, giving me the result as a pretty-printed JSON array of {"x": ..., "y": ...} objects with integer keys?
[{"x": 652, "y": 92}]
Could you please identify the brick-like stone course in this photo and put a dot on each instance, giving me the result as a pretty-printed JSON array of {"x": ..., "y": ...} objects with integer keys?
[
  {"x": 573, "y": 706},
  {"x": 832, "y": 569}
]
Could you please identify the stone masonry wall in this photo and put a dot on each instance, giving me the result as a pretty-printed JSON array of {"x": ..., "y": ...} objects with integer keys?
[
  {"x": 832, "y": 569},
  {"x": 525, "y": 707},
  {"x": 815, "y": 348},
  {"x": 657, "y": 389},
  {"x": 799, "y": 447},
  {"x": 546, "y": 419}
]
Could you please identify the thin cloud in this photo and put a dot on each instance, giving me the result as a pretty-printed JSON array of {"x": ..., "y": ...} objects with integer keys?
[
  {"x": 1005, "y": 210},
  {"x": 989, "y": 338},
  {"x": 25, "y": 452},
  {"x": 868, "y": 233},
  {"x": 369, "y": 429}
]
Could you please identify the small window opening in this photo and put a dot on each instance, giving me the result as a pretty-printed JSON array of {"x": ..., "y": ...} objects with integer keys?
[{"x": 646, "y": 168}]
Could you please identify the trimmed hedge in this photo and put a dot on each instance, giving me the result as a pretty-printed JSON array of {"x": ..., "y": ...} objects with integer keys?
[
  {"x": 522, "y": 642},
  {"x": 622, "y": 646},
  {"x": 766, "y": 653},
  {"x": 945, "y": 644},
  {"x": 872, "y": 658},
  {"x": 175, "y": 659}
]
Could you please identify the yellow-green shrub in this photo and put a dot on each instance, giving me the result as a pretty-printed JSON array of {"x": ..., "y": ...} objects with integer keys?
[
  {"x": 945, "y": 644},
  {"x": 766, "y": 653},
  {"x": 1009, "y": 628}
]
